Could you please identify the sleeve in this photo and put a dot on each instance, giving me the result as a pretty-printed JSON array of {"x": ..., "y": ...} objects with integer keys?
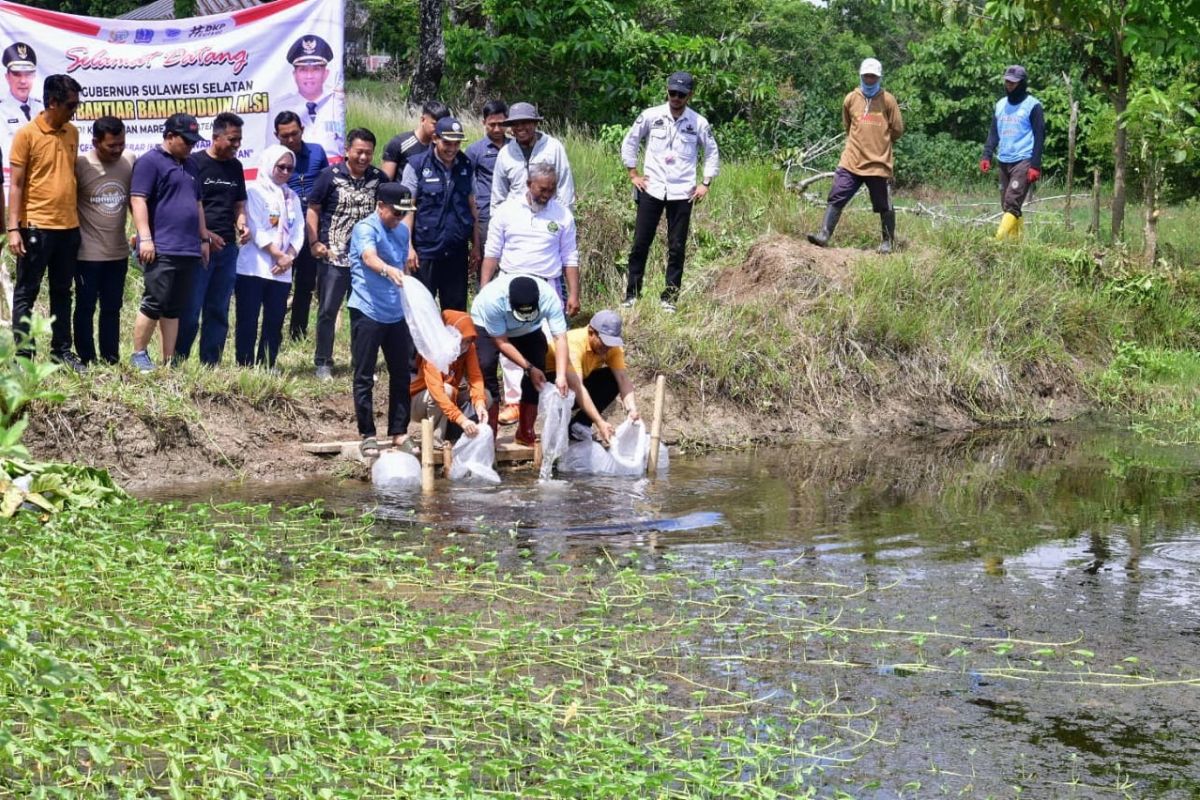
[
  {"x": 896, "y": 119},
  {"x": 568, "y": 249},
  {"x": 433, "y": 384},
  {"x": 494, "y": 245},
  {"x": 18, "y": 153},
  {"x": 409, "y": 179},
  {"x": 633, "y": 141},
  {"x": 296, "y": 234},
  {"x": 566, "y": 181},
  {"x": 141, "y": 182},
  {"x": 500, "y": 180},
  {"x": 475, "y": 377},
  {"x": 362, "y": 238},
  {"x": 1037, "y": 119},
  {"x": 846, "y": 115},
  {"x": 391, "y": 151},
  {"x": 552, "y": 310},
  {"x": 712, "y": 155},
  {"x": 616, "y": 358},
  {"x": 321, "y": 187},
  {"x": 256, "y": 216},
  {"x": 993, "y": 139}
]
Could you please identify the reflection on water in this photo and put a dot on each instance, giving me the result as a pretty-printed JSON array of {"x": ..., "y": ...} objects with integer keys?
[{"x": 1082, "y": 537}]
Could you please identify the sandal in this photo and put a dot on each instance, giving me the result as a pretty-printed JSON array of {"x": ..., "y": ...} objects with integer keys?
[
  {"x": 369, "y": 448},
  {"x": 408, "y": 446}
]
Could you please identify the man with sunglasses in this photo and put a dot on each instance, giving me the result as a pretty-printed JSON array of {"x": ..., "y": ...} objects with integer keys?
[
  {"x": 43, "y": 222},
  {"x": 674, "y": 135}
]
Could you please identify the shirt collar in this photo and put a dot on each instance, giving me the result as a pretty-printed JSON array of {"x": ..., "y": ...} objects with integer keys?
[{"x": 44, "y": 126}]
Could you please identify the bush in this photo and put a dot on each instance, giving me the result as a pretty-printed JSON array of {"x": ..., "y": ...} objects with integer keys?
[{"x": 921, "y": 158}]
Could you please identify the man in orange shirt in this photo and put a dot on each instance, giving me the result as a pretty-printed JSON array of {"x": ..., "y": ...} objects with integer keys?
[
  {"x": 43, "y": 223},
  {"x": 435, "y": 395},
  {"x": 871, "y": 117}
]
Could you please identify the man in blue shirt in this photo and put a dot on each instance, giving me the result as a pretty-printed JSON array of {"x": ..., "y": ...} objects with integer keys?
[
  {"x": 508, "y": 312},
  {"x": 378, "y": 250},
  {"x": 310, "y": 161},
  {"x": 1017, "y": 136},
  {"x": 482, "y": 155}
]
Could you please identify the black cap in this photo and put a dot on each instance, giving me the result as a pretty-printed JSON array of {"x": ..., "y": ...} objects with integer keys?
[
  {"x": 309, "y": 50},
  {"x": 1016, "y": 73},
  {"x": 523, "y": 297},
  {"x": 397, "y": 196},
  {"x": 19, "y": 57},
  {"x": 185, "y": 125},
  {"x": 450, "y": 129},
  {"x": 681, "y": 82}
]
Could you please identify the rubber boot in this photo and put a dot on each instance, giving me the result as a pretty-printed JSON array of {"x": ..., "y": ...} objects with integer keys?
[
  {"x": 1008, "y": 224},
  {"x": 821, "y": 238},
  {"x": 525, "y": 424},
  {"x": 494, "y": 419},
  {"x": 1019, "y": 228},
  {"x": 887, "y": 221}
]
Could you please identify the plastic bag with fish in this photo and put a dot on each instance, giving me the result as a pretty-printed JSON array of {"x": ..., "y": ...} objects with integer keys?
[
  {"x": 626, "y": 455},
  {"x": 436, "y": 341},
  {"x": 474, "y": 457},
  {"x": 395, "y": 471},
  {"x": 555, "y": 411}
]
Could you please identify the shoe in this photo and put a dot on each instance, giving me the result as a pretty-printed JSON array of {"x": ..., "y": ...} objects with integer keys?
[
  {"x": 668, "y": 306},
  {"x": 525, "y": 424},
  {"x": 509, "y": 414},
  {"x": 324, "y": 373},
  {"x": 369, "y": 447},
  {"x": 579, "y": 432},
  {"x": 629, "y": 302},
  {"x": 71, "y": 361},
  {"x": 141, "y": 361},
  {"x": 821, "y": 238}
]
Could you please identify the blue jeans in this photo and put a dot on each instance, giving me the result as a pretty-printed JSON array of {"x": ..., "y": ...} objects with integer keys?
[
  {"x": 255, "y": 294},
  {"x": 103, "y": 281},
  {"x": 212, "y": 289}
]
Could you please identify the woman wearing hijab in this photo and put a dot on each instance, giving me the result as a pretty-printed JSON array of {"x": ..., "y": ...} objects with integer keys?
[
  {"x": 264, "y": 267},
  {"x": 436, "y": 395}
]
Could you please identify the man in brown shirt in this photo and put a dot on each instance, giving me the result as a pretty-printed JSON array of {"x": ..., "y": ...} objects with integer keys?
[
  {"x": 872, "y": 121},
  {"x": 43, "y": 225}
]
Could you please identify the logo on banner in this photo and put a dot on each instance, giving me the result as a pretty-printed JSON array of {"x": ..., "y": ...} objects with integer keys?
[
  {"x": 172, "y": 33},
  {"x": 201, "y": 31},
  {"x": 143, "y": 35},
  {"x": 116, "y": 37}
]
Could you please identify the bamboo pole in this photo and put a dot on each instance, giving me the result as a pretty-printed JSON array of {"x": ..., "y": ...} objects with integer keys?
[
  {"x": 447, "y": 458},
  {"x": 1072, "y": 127},
  {"x": 660, "y": 394},
  {"x": 427, "y": 455},
  {"x": 1094, "y": 227}
]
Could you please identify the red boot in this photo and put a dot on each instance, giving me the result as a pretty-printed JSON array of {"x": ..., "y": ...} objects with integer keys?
[
  {"x": 493, "y": 419},
  {"x": 525, "y": 424}
]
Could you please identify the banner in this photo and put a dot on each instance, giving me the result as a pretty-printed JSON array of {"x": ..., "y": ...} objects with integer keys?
[{"x": 255, "y": 62}]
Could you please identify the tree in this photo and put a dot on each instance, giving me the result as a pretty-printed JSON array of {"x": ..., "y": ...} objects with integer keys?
[{"x": 431, "y": 55}]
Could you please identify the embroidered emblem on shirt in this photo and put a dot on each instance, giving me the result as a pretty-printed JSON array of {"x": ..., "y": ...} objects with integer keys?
[
  {"x": 552, "y": 227},
  {"x": 427, "y": 172}
]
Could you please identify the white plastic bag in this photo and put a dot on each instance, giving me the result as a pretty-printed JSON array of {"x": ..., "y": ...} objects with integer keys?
[
  {"x": 474, "y": 457},
  {"x": 555, "y": 411},
  {"x": 436, "y": 341},
  {"x": 626, "y": 455},
  {"x": 395, "y": 470}
]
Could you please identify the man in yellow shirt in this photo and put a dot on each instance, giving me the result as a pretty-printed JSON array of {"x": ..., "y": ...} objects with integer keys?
[{"x": 596, "y": 373}]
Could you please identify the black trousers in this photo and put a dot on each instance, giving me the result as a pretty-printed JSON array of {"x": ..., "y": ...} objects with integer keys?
[
  {"x": 103, "y": 281},
  {"x": 446, "y": 278},
  {"x": 533, "y": 346},
  {"x": 304, "y": 281},
  {"x": 259, "y": 296},
  {"x": 601, "y": 386},
  {"x": 51, "y": 253},
  {"x": 679, "y": 218},
  {"x": 333, "y": 287},
  {"x": 367, "y": 338}
]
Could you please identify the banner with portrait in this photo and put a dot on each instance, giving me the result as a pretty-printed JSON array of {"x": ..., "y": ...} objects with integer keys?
[{"x": 255, "y": 62}]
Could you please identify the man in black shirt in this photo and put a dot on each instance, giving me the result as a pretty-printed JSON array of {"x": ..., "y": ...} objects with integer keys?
[
  {"x": 404, "y": 147},
  {"x": 223, "y": 194}
]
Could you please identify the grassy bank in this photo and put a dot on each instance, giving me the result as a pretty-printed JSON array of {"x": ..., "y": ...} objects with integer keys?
[{"x": 774, "y": 339}]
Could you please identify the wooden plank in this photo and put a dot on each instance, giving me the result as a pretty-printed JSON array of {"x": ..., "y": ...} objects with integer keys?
[{"x": 507, "y": 452}]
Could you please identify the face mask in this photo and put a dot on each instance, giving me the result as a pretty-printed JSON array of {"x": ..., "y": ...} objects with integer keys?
[{"x": 870, "y": 91}]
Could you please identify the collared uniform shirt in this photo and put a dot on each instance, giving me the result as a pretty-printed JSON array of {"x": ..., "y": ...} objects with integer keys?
[
  {"x": 491, "y": 312},
  {"x": 48, "y": 156},
  {"x": 324, "y": 121},
  {"x": 13, "y": 118},
  {"x": 171, "y": 189},
  {"x": 537, "y": 243},
  {"x": 672, "y": 151},
  {"x": 512, "y": 170},
  {"x": 443, "y": 222},
  {"x": 482, "y": 155}
]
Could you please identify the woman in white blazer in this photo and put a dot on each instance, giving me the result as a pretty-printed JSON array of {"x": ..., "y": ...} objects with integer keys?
[{"x": 264, "y": 267}]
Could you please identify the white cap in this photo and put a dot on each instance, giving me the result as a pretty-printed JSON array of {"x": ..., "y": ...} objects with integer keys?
[{"x": 871, "y": 66}]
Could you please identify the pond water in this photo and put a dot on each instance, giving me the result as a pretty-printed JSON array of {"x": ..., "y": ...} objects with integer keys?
[{"x": 1019, "y": 612}]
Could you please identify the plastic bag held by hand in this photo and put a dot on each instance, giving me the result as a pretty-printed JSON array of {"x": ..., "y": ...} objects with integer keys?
[
  {"x": 626, "y": 456},
  {"x": 394, "y": 470},
  {"x": 555, "y": 412},
  {"x": 474, "y": 457},
  {"x": 436, "y": 341}
]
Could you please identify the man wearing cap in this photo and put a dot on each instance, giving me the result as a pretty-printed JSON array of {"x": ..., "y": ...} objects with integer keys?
[
  {"x": 403, "y": 147},
  {"x": 482, "y": 155},
  {"x": 1017, "y": 135},
  {"x": 172, "y": 240},
  {"x": 436, "y": 394},
  {"x": 322, "y": 112},
  {"x": 17, "y": 107},
  {"x": 529, "y": 146},
  {"x": 674, "y": 135},
  {"x": 378, "y": 249},
  {"x": 873, "y": 123},
  {"x": 443, "y": 231},
  {"x": 310, "y": 162},
  {"x": 43, "y": 221},
  {"x": 223, "y": 194},
  {"x": 596, "y": 373},
  {"x": 510, "y": 311},
  {"x": 344, "y": 195}
]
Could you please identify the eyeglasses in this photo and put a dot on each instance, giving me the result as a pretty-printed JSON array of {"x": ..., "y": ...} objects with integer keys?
[
  {"x": 284, "y": 168},
  {"x": 677, "y": 94}
]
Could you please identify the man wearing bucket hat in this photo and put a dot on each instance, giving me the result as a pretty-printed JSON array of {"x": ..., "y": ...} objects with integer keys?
[
  {"x": 509, "y": 311},
  {"x": 18, "y": 105},
  {"x": 1017, "y": 135},
  {"x": 320, "y": 110},
  {"x": 873, "y": 123},
  {"x": 529, "y": 146},
  {"x": 675, "y": 135},
  {"x": 596, "y": 373},
  {"x": 378, "y": 250},
  {"x": 444, "y": 231}
]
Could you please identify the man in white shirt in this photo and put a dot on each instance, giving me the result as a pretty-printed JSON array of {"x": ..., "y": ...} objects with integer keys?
[
  {"x": 18, "y": 106},
  {"x": 674, "y": 136},
  {"x": 322, "y": 113},
  {"x": 529, "y": 146}
]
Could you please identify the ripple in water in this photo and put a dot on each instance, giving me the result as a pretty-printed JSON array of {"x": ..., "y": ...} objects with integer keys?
[{"x": 1185, "y": 551}]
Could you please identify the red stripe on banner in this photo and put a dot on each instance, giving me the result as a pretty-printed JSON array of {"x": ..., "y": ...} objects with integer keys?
[
  {"x": 262, "y": 12},
  {"x": 54, "y": 19}
]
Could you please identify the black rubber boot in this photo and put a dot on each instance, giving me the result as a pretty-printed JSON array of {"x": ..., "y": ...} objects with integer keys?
[
  {"x": 821, "y": 237},
  {"x": 888, "y": 222}
]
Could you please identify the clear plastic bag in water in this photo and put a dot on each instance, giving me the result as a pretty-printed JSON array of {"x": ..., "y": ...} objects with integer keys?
[
  {"x": 474, "y": 457},
  {"x": 625, "y": 456},
  {"x": 436, "y": 341},
  {"x": 395, "y": 470},
  {"x": 555, "y": 411}
]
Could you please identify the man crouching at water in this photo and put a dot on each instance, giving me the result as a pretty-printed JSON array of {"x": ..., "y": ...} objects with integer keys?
[
  {"x": 596, "y": 373},
  {"x": 378, "y": 249}
]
